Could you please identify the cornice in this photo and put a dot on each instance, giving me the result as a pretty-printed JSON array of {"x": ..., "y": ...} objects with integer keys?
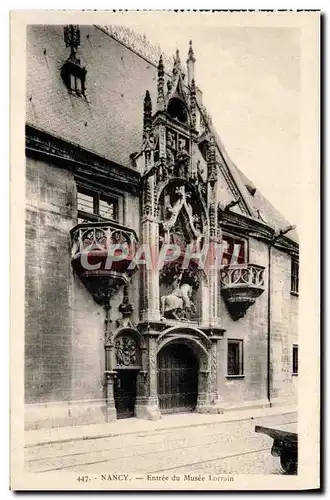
[
  {"x": 63, "y": 154},
  {"x": 247, "y": 226}
]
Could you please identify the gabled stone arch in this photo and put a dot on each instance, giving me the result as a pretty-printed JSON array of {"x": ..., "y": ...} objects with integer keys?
[
  {"x": 197, "y": 348},
  {"x": 200, "y": 346},
  {"x": 178, "y": 181},
  {"x": 186, "y": 329},
  {"x": 128, "y": 330}
]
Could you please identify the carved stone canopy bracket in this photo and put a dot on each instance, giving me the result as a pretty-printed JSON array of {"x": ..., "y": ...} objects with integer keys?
[
  {"x": 240, "y": 287},
  {"x": 126, "y": 309},
  {"x": 103, "y": 288},
  {"x": 173, "y": 272}
]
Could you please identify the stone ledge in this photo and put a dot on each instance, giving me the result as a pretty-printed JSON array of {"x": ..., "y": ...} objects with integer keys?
[
  {"x": 246, "y": 405},
  {"x": 280, "y": 401},
  {"x": 64, "y": 413}
]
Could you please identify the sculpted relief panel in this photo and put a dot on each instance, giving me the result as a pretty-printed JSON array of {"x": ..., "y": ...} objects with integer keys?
[{"x": 127, "y": 352}]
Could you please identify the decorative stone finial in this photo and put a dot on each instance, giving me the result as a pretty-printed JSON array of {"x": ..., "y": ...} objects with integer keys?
[
  {"x": 177, "y": 63},
  {"x": 147, "y": 114},
  {"x": 191, "y": 64},
  {"x": 160, "y": 86},
  {"x": 192, "y": 104},
  {"x": 191, "y": 56}
]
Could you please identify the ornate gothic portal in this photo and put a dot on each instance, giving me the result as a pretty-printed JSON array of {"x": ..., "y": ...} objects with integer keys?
[{"x": 179, "y": 304}]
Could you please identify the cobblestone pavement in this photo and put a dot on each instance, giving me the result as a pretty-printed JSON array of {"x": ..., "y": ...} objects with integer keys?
[{"x": 217, "y": 448}]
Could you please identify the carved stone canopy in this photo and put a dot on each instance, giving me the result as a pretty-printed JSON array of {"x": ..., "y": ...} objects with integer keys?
[
  {"x": 174, "y": 271},
  {"x": 126, "y": 309}
]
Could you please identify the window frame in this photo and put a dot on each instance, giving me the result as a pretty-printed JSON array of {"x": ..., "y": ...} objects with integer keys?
[
  {"x": 244, "y": 240},
  {"x": 97, "y": 195},
  {"x": 294, "y": 287},
  {"x": 295, "y": 360},
  {"x": 240, "y": 344}
]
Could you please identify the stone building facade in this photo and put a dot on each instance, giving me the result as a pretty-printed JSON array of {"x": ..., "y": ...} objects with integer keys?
[{"x": 121, "y": 151}]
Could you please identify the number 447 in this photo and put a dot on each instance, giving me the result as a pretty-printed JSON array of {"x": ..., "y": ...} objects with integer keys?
[{"x": 83, "y": 479}]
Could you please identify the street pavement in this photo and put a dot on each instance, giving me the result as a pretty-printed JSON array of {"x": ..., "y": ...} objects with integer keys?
[{"x": 210, "y": 448}]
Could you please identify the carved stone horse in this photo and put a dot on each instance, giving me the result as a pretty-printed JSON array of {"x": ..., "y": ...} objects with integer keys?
[{"x": 177, "y": 301}]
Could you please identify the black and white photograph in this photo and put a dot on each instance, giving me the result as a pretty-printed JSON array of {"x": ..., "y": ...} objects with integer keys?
[{"x": 167, "y": 329}]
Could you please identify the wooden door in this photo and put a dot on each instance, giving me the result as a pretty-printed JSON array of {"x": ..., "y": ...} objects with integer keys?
[{"x": 177, "y": 379}]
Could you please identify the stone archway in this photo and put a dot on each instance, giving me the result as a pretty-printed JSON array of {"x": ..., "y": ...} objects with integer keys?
[{"x": 183, "y": 369}]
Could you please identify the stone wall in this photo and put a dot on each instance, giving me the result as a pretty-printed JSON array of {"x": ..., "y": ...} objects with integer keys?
[
  {"x": 252, "y": 328},
  {"x": 64, "y": 327},
  {"x": 48, "y": 283},
  {"x": 284, "y": 329}
]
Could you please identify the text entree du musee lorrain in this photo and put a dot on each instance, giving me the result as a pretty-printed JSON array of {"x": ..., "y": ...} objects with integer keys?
[{"x": 189, "y": 477}]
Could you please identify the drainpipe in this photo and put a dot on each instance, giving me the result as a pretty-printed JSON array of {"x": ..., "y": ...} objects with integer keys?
[
  {"x": 268, "y": 324},
  {"x": 272, "y": 242}
]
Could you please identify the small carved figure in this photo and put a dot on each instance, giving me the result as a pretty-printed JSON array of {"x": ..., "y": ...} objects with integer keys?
[
  {"x": 169, "y": 161},
  {"x": 182, "y": 159},
  {"x": 170, "y": 140},
  {"x": 183, "y": 146}
]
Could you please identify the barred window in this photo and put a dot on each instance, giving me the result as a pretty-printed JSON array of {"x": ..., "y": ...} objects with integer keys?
[
  {"x": 294, "y": 276},
  {"x": 235, "y": 357},
  {"x": 294, "y": 359},
  {"x": 95, "y": 206}
]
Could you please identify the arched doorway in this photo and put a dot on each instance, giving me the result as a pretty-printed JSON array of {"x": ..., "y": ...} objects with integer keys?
[{"x": 177, "y": 378}]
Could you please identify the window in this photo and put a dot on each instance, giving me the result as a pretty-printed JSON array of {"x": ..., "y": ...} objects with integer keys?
[
  {"x": 235, "y": 358},
  {"x": 72, "y": 72},
  {"x": 95, "y": 206},
  {"x": 234, "y": 251},
  {"x": 294, "y": 276},
  {"x": 295, "y": 360}
]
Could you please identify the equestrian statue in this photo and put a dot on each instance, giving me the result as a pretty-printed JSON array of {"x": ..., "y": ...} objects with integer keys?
[{"x": 178, "y": 304}]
